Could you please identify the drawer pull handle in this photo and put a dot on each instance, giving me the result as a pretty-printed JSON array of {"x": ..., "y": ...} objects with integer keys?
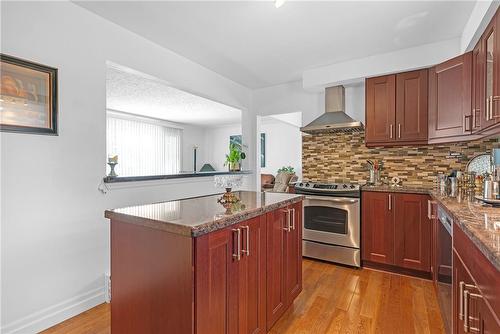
[
  {"x": 237, "y": 255},
  {"x": 247, "y": 241}
]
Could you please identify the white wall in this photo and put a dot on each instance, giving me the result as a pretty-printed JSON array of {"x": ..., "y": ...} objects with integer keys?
[
  {"x": 191, "y": 136},
  {"x": 288, "y": 98},
  {"x": 55, "y": 240},
  {"x": 283, "y": 146},
  {"x": 398, "y": 61}
]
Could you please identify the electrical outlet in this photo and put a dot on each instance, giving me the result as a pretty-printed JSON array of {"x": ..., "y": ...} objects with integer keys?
[{"x": 107, "y": 288}]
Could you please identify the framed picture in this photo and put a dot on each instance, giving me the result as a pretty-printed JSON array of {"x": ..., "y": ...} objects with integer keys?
[{"x": 28, "y": 97}]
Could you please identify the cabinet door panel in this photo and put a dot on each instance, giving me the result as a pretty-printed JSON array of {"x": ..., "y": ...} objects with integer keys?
[
  {"x": 411, "y": 106},
  {"x": 377, "y": 227},
  {"x": 478, "y": 81},
  {"x": 490, "y": 58},
  {"x": 460, "y": 274},
  {"x": 276, "y": 297},
  {"x": 293, "y": 255},
  {"x": 216, "y": 283},
  {"x": 450, "y": 98},
  {"x": 252, "y": 277},
  {"x": 380, "y": 109},
  {"x": 488, "y": 324},
  {"x": 412, "y": 232}
]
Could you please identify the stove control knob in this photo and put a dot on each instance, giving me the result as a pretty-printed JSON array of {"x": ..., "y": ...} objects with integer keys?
[
  {"x": 301, "y": 184},
  {"x": 352, "y": 186},
  {"x": 307, "y": 184},
  {"x": 344, "y": 186}
]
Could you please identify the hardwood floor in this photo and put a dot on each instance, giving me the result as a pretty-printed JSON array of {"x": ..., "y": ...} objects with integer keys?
[{"x": 334, "y": 299}]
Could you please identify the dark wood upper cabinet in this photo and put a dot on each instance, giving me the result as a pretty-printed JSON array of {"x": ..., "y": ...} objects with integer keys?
[
  {"x": 396, "y": 109},
  {"x": 477, "y": 86},
  {"x": 490, "y": 42},
  {"x": 380, "y": 109},
  {"x": 412, "y": 232},
  {"x": 450, "y": 99},
  {"x": 411, "y": 106},
  {"x": 378, "y": 227}
]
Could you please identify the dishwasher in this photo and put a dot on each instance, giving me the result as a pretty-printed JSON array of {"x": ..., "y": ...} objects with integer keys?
[{"x": 444, "y": 265}]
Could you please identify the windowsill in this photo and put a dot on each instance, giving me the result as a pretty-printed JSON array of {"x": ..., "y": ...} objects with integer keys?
[{"x": 117, "y": 179}]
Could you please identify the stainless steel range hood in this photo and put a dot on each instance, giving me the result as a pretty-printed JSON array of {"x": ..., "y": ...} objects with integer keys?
[{"x": 334, "y": 119}]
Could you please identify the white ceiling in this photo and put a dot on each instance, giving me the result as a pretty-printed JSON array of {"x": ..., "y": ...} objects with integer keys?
[
  {"x": 130, "y": 92},
  {"x": 258, "y": 45}
]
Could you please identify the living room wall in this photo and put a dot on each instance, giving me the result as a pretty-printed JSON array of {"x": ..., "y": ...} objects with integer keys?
[{"x": 54, "y": 237}]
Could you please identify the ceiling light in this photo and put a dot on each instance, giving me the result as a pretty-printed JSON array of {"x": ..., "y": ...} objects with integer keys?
[{"x": 279, "y": 3}]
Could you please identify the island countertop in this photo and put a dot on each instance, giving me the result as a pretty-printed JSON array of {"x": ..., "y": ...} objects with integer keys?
[{"x": 200, "y": 215}]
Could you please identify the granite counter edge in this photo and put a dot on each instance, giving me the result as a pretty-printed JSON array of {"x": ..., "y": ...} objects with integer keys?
[
  {"x": 483, "y": 248},
  {"x": 212, "y": 226}
]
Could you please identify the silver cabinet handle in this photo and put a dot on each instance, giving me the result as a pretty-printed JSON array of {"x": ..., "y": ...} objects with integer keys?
[
  {"x": 466, "y": 311},
  {"x": 429, "y": 209},
  {"x": 462, "y": 287},
  {"x": 390, "y": 202},
  {"x": 491, "y": 108},
  {"x": 461, "y": 301},
  {"x": 247, "y": 240},
  {"x": 487, "y": 109},
  {"x": 467, "y": 122},
  {"x": 287, "y": 214},
  {"x": 399, "y": 130},
  {"x": 390, "y": 128},
  {"x": 237, "y": 256},
  {"x": 293, "y": 219}
]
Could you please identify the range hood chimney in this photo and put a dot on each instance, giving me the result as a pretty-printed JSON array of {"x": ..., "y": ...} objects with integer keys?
[{"x": 334, "y": 119}]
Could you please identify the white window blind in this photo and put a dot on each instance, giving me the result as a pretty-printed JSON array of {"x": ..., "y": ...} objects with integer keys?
[{"x": 144, "y": 147}]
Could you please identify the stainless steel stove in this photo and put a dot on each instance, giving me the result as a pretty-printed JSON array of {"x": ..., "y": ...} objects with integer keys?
[{"x": 331, "y": 221}]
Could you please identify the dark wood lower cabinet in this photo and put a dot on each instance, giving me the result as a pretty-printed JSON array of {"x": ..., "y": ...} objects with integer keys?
[
  {"x": 396, "y": 232},
  {"x": 252, "y": 277},
  {"x": 216, "y": 283},
  {"x": 237, "y": 280},
  {"x": 284, "y": 260},
  {"x": 412, "y": 232},
  {"x": 476, "y": 289},
  {"x": 293, "y": 255},
  {"x": 377, "y": 227},
  {"x": 276, "y": 301}
]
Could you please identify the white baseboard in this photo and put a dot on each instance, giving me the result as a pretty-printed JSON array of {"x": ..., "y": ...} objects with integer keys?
[{"x": 55, "y": 314}]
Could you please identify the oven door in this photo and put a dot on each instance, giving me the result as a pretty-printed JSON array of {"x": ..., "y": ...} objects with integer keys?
[{"x": 332, "y": 220}]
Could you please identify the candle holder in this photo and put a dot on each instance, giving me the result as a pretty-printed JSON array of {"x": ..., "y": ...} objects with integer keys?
[{"x": 112, "y": 172}]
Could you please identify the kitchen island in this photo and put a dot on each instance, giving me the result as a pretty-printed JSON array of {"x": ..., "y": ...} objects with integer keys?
[{"x": 198, "y": 266}]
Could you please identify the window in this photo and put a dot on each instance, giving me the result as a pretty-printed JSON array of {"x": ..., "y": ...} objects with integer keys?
[{"x": 144, "y": 146}]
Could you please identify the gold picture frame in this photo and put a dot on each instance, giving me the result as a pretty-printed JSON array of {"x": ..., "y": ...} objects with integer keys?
[{"x": 28, "y": 97}]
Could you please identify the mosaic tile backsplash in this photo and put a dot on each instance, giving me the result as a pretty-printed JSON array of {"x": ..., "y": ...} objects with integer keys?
[{"x": 342, "y": 157}]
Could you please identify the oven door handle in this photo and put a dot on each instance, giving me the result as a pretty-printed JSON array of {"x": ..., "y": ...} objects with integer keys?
[{"x": 333, "y": 199}]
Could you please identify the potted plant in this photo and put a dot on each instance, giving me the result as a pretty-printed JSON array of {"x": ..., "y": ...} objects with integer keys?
[
  {"x": 289, "y": 170},
  {"x": 233, "y": 159}
]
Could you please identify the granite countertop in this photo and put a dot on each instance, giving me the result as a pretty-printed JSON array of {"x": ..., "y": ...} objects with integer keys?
[
  {"x": 197, "y": 216},
  {"x": 480, "y": 222},
  {"x": 397, "y": 189}
]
